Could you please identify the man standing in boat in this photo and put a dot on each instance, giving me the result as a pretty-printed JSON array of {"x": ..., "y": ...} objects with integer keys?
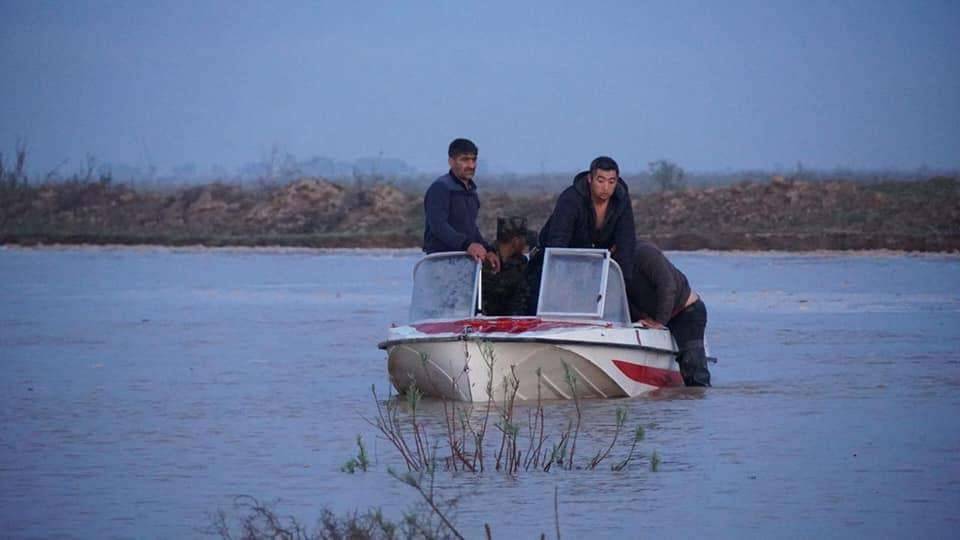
[
  {"x": 451, "y": 206},
  {"x": 660, "y": 297},
  {"x": 594, "y": 212}
]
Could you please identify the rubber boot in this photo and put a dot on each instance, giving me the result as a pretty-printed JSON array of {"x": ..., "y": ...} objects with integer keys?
[{"x": 693, "y": 367}]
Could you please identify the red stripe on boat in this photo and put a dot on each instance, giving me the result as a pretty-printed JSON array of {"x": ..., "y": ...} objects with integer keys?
[
  {"x": 649, "y": 375},
  {"x": 507, "y": 325}
]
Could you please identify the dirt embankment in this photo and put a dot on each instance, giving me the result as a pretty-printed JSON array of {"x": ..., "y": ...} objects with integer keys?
[
  {"x": 785, "y": 215},
  {"x": 782, "y": 214}
]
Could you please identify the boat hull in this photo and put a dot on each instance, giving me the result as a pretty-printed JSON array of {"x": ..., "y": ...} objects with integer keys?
[{"x": 582, "y": 361}]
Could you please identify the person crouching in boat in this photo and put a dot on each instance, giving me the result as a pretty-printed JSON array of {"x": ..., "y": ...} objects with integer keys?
[
  {"x": 660, "y": 297},
  {"x": 507, "y": 293},
  {"x": 594, "y": 212},
  {"x": 451, "y": 206}
]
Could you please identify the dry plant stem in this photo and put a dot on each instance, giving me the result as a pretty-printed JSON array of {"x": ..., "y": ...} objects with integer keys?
[
  {"x": 450, "y": 416},
  {"x": 459, "y": 443},
  {"x": 486, "y": 351},
  {"x": 572, "y": 382},
  {"x": 465, "y": 427},
  {"x": 558, "y": 451},
  {"x": 398, "y": 428},
  {"x": 502, "y": 426},
  {"x": 419, "y": 431},
  {"x": 275, "y": 528},
  {"x": 514, "y": 430},
  {"x": 533, "y": 454},
  {"x": 456, "y": 390},
  {"x": 621, "y": 418},
  {"x": 386, "y": 424},
  {"x": 457, "y": 436},
  {"x": 451, "y": 430},
  {"x": 415, "y": 483},
  {"x": 638, "y": 436},
  {"x": 508, "y": 432},
  {"x": 509, "y": 458}
]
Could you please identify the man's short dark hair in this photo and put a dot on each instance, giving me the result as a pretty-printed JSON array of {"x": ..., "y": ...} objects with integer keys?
[
  {"x": 604, "y": 163},
  {"x": 460, "y": 147}
]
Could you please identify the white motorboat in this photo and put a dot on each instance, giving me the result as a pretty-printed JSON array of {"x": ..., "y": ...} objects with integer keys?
[{"x": 581, "y": 342}]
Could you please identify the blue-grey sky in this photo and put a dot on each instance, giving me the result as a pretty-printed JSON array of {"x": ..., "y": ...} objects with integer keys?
[{"x": 542, "y": 85}]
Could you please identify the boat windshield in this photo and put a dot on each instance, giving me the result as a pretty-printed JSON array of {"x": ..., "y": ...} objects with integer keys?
[
  {"x": 444, "y": 287},
  {"x": 576, "y": 284},
  {"x": 582, "y": 284}
]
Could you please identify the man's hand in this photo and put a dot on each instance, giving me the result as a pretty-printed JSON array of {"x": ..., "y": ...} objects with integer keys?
[
  {"x": 650, "y": 323},
  {"x": 494, "y": 261},
  {"x": 477, "y": 251},
  {"x": 480, "y": 254}
]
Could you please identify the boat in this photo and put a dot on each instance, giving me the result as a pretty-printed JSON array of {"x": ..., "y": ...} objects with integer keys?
[{"x": 580, "y": 344}]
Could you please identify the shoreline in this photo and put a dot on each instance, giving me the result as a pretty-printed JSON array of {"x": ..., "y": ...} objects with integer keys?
[
  {"x": 405, "y": 251},
  {"x": 786, "y": 242},
  {"x": 778, "y": 216}
]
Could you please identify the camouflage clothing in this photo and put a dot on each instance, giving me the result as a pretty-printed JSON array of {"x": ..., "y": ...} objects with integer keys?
[{"x": 506, "y": 293}]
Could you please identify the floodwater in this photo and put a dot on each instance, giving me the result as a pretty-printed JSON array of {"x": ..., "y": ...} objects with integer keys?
[{"x": 144, "y": 388}]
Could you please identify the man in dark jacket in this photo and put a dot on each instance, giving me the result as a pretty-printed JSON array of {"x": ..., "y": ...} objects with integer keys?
[
  {"x": 660, "y": 297},
  {"x": 451, "y": 206},
  {"x": 595, "y": 212}
]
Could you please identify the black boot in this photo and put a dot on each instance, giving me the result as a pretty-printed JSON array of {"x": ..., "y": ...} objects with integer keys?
[{"x": 693, "y": 367}]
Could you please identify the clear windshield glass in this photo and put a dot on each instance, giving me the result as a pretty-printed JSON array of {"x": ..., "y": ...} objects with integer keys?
[
  {"x": 582, "y": 283},
  {"x": 615, "y": 309},
  {"x": 444, "y": 286},
  {"x": 572, "y": 283}
]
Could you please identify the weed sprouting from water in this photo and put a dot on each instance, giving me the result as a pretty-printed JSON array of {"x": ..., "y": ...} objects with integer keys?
[
  {"x": 259, "y": 520},
  {"x": 416, "y": 481},
  {"x": 638, "y": 436},
  {"x": 389, "y": 424},
  {"x": 572, "y": 383},
  {"x": 360, "y": 462},
  {"x": 601, "y": 455},
  {"x": 508, "y": 458},
  {"x": 465, "y": 438},
  {"x": 655, "y": 462},
  {"x": 535, "y": 421},
  {"x": 465, "y": 430}
]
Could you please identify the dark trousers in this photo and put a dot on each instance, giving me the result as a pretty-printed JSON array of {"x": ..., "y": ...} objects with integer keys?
[{"x": 688, "y": 328}]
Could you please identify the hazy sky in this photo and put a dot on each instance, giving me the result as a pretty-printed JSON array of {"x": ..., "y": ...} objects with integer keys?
[{"x": 712, "y": 85}]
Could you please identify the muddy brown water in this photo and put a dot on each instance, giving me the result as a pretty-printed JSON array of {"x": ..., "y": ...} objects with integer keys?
[{"x": 143, "y": 388}]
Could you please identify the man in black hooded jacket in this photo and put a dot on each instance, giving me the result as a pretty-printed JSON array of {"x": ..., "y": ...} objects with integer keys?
[{"x": 595, "y": 212}]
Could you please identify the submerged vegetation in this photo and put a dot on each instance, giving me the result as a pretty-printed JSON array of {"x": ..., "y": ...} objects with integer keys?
[
  {"x": 359, "y": 463},
  {"x": 251, "y": 519},
  {"x": 464, "y": 438},
  {"x": 462, "y": 445}
]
